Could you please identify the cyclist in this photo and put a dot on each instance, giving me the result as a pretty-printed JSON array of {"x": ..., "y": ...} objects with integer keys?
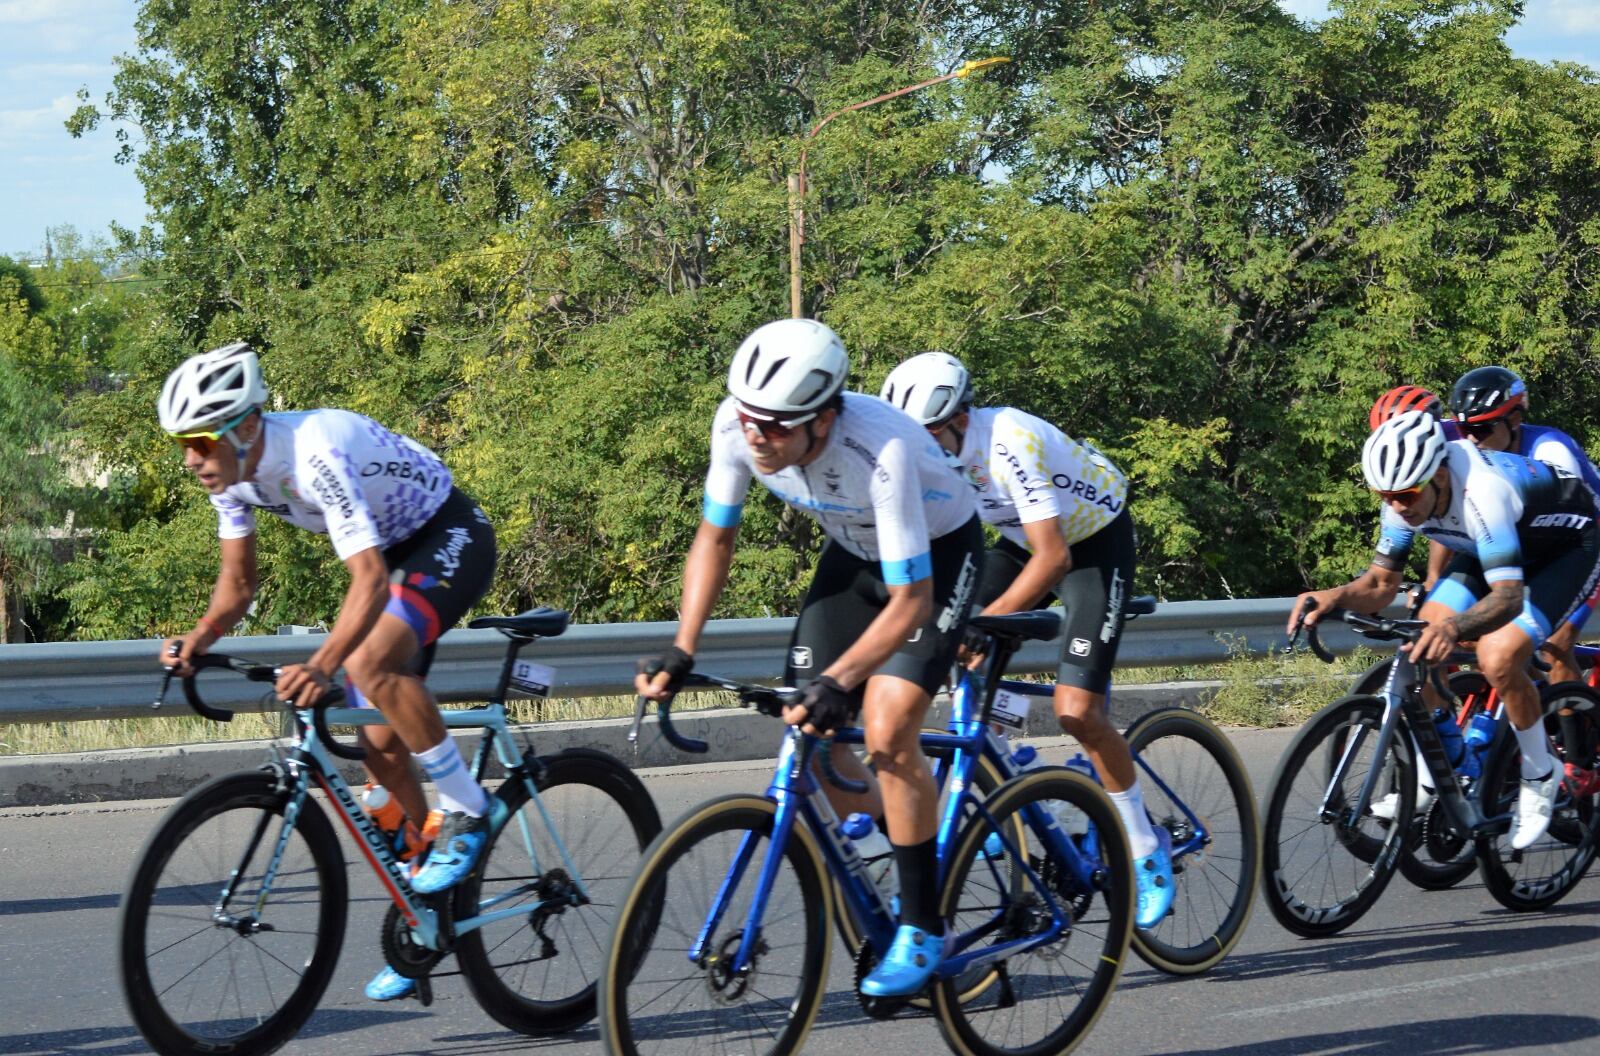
[
  {"x": 1061, "y": 509},
  {"x": 883, "y": 617},
  {"x": 1491, "y": 406},
  {"x": 1527, "y": 555},
  {"x": 419, "y": 551},
  {"x": 1398, "y": 400}
]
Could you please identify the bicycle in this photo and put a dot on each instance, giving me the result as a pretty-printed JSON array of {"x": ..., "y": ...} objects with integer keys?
[
  {"x": 745, "y": 882},
  {"x": 1319, "y": 806},
  {"x": 1198, "y": 791},
  {"x": 234, "y": 917}
]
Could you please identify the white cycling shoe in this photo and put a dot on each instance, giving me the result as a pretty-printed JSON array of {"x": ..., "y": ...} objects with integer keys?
[
  {"x": 1536, "y": 802},
  {"x": 1386, "y": 807}
]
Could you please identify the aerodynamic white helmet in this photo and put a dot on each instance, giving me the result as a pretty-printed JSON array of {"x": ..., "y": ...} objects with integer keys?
[
  {"x": 1403, "y": 452},
  {"x": 930, "y": 387},
  {"x": 789, "y": 367},
  {"x": 210, "y": 389}
]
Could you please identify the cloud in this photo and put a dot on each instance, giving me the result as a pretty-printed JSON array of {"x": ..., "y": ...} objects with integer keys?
[
  {"x": 22, "y": 124},
  {"x": 65, "y": 27}
]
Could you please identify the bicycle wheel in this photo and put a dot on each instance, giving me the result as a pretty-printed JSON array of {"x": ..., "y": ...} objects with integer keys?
[
  {"x": 1203, "y": 778},
  {"x": 536, "y": 971},
  {"x": 239, "y": 976},
  {"x": 1436, "y": 856},
  {"x": 1045, "y": 998},
  {"x": 1320, "y": 870},
  {"x": 1541, "y": 875},
  {"x": 660, "y": 996}
]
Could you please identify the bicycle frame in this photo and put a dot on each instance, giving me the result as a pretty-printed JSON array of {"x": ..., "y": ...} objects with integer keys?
[{"x": 800, "y": 800}]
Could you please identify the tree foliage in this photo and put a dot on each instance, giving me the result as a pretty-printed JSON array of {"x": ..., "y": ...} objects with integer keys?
[{"x": 532, "y": 232}]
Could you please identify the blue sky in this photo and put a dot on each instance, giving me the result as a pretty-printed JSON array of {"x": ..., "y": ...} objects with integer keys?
[{"x": 51, "y": 48}]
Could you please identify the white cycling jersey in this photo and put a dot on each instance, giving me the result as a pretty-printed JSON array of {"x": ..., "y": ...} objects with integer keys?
[
  {"x": 1024, "y": 469},
  {"x": 881, "y": 488},
  {"x": 339, "y": 474}
]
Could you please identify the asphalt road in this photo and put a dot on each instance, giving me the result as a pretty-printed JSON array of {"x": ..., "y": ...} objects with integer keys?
[{"x": 1423, "y": 974}]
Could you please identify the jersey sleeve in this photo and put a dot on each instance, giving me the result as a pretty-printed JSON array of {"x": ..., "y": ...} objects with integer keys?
[
  {"x": 1017, "y": 461},
  {"x": 235, "y": 520},
  {"x": 327, "y": 475},
  {"x": 904, "y": 550},
  {"x": 1558, "y": 456},
  {"x": 1491, "y": 509},
  {"x": 728, "y": 479},
  {"x": 1395, "y": 537}
]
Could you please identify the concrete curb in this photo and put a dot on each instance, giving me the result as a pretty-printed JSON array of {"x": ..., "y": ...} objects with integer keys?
[{"x": 733, "y": 735}]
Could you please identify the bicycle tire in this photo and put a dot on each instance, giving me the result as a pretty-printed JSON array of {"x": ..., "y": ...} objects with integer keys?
[
  {"x": 1543, "y": 874},
  {"x": 662, "y": 917},
  {"x": 1437, "y": 860},
  {"x": 498, "y": 960},
  {"x": 1216, "y": 886},
  {"x": 167, "y": 910},
  {"x": 1378, "y": 850},
  {"x": 977, "y": 895}
]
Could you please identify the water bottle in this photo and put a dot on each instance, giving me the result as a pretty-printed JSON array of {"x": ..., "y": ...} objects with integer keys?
[
  {"x": 1476, "y": 740},
  {"x": 1025, "y": 757},
  {"x": 1450, "y": 735},
  {"x": 875, "y": 851},
  {"x": 384, "y": 808},
  {"x": 1081, "y": 763}
]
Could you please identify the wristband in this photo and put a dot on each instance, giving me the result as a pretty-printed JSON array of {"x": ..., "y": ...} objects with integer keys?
[{"x": 216, "y": 635}]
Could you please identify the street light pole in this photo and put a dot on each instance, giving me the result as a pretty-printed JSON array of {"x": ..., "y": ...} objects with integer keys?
[{"x": 797, "y": 181}]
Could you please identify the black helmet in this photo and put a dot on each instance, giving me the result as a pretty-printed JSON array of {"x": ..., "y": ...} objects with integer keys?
[{"x": 1487, "y": 393}]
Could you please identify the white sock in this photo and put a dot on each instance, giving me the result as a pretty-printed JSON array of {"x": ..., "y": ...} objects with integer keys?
[
  {"x": 458, "y": 790},
  {"x": 1130, "y": 805},
  {"x": 1536, "y": 761}
]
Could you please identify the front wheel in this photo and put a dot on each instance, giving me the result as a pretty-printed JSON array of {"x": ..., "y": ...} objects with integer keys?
[
  {"x": 1045, "y": 994},
  {"x": 233, "y": 920},
  {"x": 1197, "y": 791},
  {"x": 562, "y": 862},
  {"x": 1323, "y": 868},
  {"x": 673, "y": 982}
]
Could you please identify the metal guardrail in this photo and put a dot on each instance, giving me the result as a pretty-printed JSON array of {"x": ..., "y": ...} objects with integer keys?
[{"x": 70, "y": 681}]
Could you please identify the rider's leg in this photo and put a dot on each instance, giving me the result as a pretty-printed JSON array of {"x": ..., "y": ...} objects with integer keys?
[
  {"x": 1557, "y": 650},
  {"x": 892, "y": 719},
  {"x": 1503, "y": 657}
]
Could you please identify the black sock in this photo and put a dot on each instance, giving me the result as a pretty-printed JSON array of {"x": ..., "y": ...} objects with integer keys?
[{"x": 918, "y": 864}]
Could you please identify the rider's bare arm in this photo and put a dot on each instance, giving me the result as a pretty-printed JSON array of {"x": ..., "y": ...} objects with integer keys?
[
  {"x": 909, "y": 608},
  {"x": 1049, "y": 561},
  {"x": 363, "y": 604},
  {"x": 1498, "y": 608}
]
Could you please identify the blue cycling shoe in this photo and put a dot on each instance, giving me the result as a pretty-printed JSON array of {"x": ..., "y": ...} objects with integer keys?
[
  {"x": 907, "y": 967},
  {"x": 1156, "y": 887},
  {"x": 993, "y": 848},
  {"x": 390, "y": 985},
  {"x": 455, "y": 850}
]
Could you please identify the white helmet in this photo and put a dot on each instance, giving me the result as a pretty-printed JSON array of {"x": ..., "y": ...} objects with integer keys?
[
  {"x": 209, "y": 389},
  {"x": 789, "y": 367},
  {"x": 1403, "y": 452},
  {"x": 930, "y": 387}
]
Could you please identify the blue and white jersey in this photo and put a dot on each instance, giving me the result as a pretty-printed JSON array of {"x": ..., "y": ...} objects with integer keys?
[
  {"x": 339, "y": 474},
  {"x": 881, "y": 488},
  {"x": 1507, "y": 511},
  {"x": 1554, "y": 447}
]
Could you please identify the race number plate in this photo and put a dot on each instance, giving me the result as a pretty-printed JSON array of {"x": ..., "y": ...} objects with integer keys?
[
  {"x": 535, "y": 678},
  {"x": 1011, "y": 709}
]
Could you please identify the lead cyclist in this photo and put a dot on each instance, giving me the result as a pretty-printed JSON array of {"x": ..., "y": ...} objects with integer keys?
[{"x": 420, "y": 554}]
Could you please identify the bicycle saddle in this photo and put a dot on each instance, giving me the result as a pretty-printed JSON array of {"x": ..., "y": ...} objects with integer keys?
[
  {"x": 1037, "y": 625},
  {"x": 543, "y": 622},
  {"x": 1143, "y": 605}
]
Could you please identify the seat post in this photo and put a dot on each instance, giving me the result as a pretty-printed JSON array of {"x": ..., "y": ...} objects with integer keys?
[{"x": 504, "y": 685}]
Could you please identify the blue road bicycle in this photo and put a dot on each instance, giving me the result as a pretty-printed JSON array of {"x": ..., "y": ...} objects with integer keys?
[
  {"x": 724, "y": 940},
  {"x": 1197, "y": 792},
  {"x": 235, "y": 914}
]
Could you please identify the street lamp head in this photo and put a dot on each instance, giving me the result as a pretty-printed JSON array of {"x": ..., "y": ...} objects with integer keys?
[{"x": 974, "y": 65}]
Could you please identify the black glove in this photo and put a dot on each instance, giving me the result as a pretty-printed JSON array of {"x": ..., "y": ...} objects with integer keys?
[
  {"x": 675, "y": 662},
  {"x": 829, "y": 705},
  {"x": 974, "y": 641}
]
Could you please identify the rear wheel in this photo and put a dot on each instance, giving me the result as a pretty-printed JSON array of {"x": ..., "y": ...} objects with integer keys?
[
  {"x": 1323, "y": 868},
  {"x": 536, "y": 971}
]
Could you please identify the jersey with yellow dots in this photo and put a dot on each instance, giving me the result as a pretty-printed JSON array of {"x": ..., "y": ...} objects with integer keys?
[{"x": 1024, "y": 469}]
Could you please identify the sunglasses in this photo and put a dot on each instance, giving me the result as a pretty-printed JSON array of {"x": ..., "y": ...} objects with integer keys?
[
  {"x": 206, "y": 441},
  {"x": 772, "y": 428},
  {"x": 1404, "y": 494},
  {"x": 1478, "y": 430}
]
